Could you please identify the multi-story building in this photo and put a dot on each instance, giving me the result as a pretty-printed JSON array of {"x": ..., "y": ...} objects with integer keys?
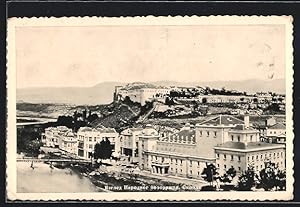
[
  {"x": 53, "y": 136},
  {"x": 240, "y": 155},
  {"x": 141, "y": 92},
  {"x": 129, "y": 143},
  {"x": 88, "y": 137},
  {"x": 187, "y": 152},
  {"x": 223, "y": 140},
  {"x": 276, "y": 133},
  {"x": 69, "y": 143}
]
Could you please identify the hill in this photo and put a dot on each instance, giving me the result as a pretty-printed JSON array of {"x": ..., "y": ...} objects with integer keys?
[
  {"x": 102, "y": 93},
  {"x": 99, "y": 94}
]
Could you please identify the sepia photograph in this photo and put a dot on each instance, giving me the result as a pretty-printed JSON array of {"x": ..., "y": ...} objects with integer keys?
[{"x": 159, "y": 108}]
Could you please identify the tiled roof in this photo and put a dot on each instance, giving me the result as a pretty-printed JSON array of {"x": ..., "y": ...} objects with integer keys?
[
  {"x": 222, "y": 120},
  {"x": 129, "y": 131},
  {"x": 85, "y": 129},
  {"x": 278, "y": 126},
  {"x": 281, "y": 135},
  {"x": 107, "y": 130},
  {"x": 242, "y": 127},
  {"x": 241, "y": 145}
]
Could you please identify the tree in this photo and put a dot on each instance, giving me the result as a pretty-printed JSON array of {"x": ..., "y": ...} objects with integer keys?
[
  {"x": 271, "y": 177},
  {"x": 229, "y": 175},
  {"x": 103, "y": 150},
  {"x": 33, "y": 147},
  {"x": 246, "y": 179},
  {"x": 209, "y": 173},
  {"x": 98, "y": 151},
  {"x": 92, "y": 117}
]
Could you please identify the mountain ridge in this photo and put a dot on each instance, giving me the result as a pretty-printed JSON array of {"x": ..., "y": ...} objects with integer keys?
[{"x": 102, "y": 93}]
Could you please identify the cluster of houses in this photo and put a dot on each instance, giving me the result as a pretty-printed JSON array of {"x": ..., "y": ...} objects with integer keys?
[
  {"x": 141, "y": 93},
  {"x": 223, "y": 140}
]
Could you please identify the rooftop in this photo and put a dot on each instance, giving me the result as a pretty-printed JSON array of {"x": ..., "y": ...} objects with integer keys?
[
  {"x": 248, "y": 146},
  {"x": 278, "y": 126},
  {"x": 242, "y": 127},
  {"x": 100, "y": 129},
  {"x": 222, "y": 120}
]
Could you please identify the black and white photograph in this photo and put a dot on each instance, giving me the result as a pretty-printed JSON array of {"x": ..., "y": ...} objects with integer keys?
[{"x": 177, "y": 107}]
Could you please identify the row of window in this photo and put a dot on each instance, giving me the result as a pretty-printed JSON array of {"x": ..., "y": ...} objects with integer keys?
[
  {"x": 174, "y": 161},
  {"x": 266, "y": 155},
  {"x": 225, "y": 167},
  {"x": 274, "y": 132},
  {"x": 214, "y": 133},
  {"x": 238, "y": 138},
  {"x": 232, "y": 157}
]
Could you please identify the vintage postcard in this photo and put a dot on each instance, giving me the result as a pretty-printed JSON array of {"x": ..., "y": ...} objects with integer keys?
[{"x": 150, "y": 108}]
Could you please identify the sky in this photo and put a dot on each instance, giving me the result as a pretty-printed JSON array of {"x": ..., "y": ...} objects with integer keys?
[{"x": 86, "y": 56}]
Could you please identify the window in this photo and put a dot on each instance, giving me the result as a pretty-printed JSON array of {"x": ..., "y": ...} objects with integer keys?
[
  {"x": 191, "y": 172},
  {"x": 256, "y": 157},
  {"x": 224, "y": 157},
  {"x": 215, "y": 134},
  {"x": 91, "y": 146},
  {"x": 208, "y": 133},
  {"x": 218, "y": 156},
  {"x": 232, "y": 158},
  {"x": 198, "y": 163},
  {"x": 239, "y": 168},
  {"x": 200, "y": 133},
  {"x": 251, "y": 138},
  {"x": 261, "y": 156},
  {"x": 224, "y": 166},
  {"x": 95, "y": 139},
  {"x": 239, "y": 138},
  {"x": 191, "y": 163},
  {"x": 239, "y": 158},
  {"x": 218, "y": 165},
  {"x": 252, "y": 157},
  {"x": 90, "y": 139},
  {"x": 231, "y": 137}
]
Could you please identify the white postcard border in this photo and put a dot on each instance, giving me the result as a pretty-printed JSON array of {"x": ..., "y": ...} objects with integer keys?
[{"x": 145, "y": 196}]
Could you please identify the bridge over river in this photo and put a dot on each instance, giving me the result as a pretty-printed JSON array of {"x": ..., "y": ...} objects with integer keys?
[{"x": 52, "y": 160}]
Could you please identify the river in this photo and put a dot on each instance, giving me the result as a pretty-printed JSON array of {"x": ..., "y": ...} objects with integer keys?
[{"x": 43, "y": 179}]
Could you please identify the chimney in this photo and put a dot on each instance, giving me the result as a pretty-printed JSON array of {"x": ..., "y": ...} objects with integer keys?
[{"x": 246, "y": 121}]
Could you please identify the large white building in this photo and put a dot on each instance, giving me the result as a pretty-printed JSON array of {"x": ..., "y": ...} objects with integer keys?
[
  {"x": 187, "y": 152},
  {"x": 52, "y": 137},
  {"x": 141, "y": 92},
  {"x": 60, "y": 137},
  {"x": 129, "y": 143},
  {"x": 88, "y": 137}
]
